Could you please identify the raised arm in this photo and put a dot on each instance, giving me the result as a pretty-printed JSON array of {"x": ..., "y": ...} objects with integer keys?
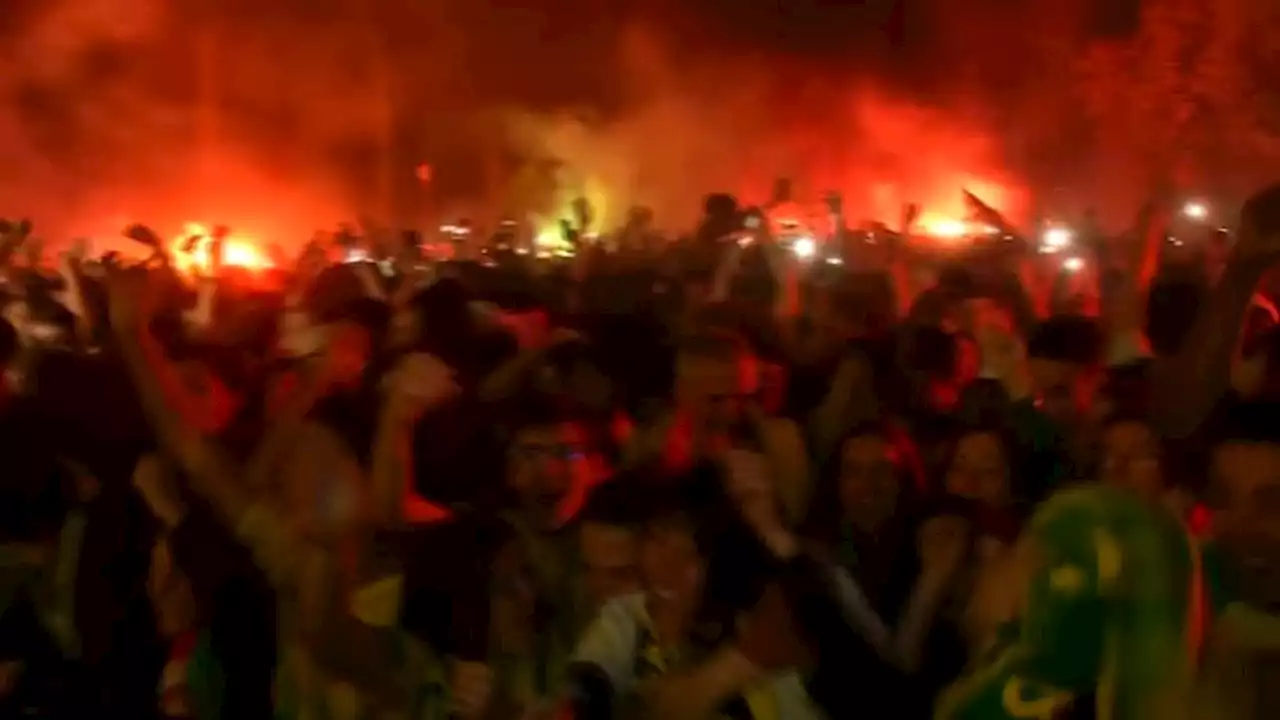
[
  {"x": 1206, "y": 352},
  {"x": 211, "y": 473},
  {"x": 419, "y": 383}
]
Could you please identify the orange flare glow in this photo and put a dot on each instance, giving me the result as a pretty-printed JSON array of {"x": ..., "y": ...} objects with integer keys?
[
  {"x": 237, "y": 251},
  {"x": 949, "y": 229},
  {"x": 944, "y": 228}
]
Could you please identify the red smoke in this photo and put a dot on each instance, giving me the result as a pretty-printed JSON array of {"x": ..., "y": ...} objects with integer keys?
[{"x": 275, "y": 118}]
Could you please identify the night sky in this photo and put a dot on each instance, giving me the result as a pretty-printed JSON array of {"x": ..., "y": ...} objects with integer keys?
[{"x": 881, "y": 33}]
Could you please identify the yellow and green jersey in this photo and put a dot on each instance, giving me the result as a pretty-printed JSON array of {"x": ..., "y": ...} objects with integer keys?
[{"x": 1114, "y": 588}]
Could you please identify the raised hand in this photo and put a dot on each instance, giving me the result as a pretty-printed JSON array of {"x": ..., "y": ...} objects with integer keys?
[
  {"x": 217, "y": 242},
  {"x": 583, "y": 213},
  {"x": 69, "y": 265},
  {"x": 568, "y": 232},
  {"x": 943, "y": 545},
  {"x": 910, "y": 213},
  {"x": 417, "y": 383},
  {"x": 192, "y": 243},
  {"x": 79, "y": 250},
  {"x": 142, "y": 234},
  {"x": 312, "y": 259},
  {"x": 749, "y": 480},
  {"x": 346, "y": 237},
  {"x": 129, "y": 298}
]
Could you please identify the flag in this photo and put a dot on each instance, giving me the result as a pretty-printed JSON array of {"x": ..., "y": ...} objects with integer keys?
[
  {"x": 1104, "y": 621},
  {"x": 984, "y": 213}
]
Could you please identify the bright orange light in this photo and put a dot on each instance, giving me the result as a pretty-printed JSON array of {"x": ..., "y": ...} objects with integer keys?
[
  {"x": 944, "y": 227},
  {"x": 237, "y": 251},
  {"x": 245, "y": 256},
  {"x": 941, "y": 227}
]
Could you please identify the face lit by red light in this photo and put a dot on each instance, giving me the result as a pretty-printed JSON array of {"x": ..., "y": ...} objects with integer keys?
[
  {"x": 713, "y": 391},
  {"x": 1131, "y": 459},
  {"x": 1064, "y": 391},
  {"x": 672, "y": 568},
  {"x": 610, "y": 560},
  {"x": 868, "y": 484},
  {"x": 546, "y": 464},
  {"x": 980, "y": 470}
]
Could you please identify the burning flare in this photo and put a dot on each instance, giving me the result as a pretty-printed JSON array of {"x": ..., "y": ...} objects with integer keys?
[
  {"x": 950, "y": 229},
  {"x": 192, "y": 252}
]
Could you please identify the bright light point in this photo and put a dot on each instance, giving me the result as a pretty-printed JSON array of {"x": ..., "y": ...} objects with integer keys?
[
  {"x": 804, "y": 248},
  {"x": 237, "y": 251},
  {"x": 1073, "y": 264},
  {"x": 946, "y": 228},
  {"x": 243, "y": 255},
  {"x": 1057, "y": 238},
  {"x": 834, "y": 261},
  {"x": 548, "y": 239},
  {"x": 1195, "y": 210}
]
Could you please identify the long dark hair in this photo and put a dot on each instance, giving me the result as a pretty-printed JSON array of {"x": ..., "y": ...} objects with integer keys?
[
  {"x": 1020, "y": 465},
  {"x": 883, "y": 561},
  {"x": 825, "y": 518}
]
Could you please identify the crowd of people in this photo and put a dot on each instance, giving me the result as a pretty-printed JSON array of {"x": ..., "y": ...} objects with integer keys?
[{"x": 705, "y": 477}]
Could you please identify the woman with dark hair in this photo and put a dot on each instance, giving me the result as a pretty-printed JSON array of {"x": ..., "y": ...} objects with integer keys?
[
  {"x": 961, "y": 539},
  {"x": 985, "y": 464},
  {"x": 861, "y": 510},
  {"x": 862, "y": 517},
  {"x": 1132, "y": 456}
]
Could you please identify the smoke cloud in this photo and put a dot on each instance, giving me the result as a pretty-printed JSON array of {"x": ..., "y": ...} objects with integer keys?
[{"x": 280, "y": 117}]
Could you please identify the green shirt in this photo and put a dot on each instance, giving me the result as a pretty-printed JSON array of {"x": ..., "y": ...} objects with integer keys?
[{"x": 1105, "y": 617}]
